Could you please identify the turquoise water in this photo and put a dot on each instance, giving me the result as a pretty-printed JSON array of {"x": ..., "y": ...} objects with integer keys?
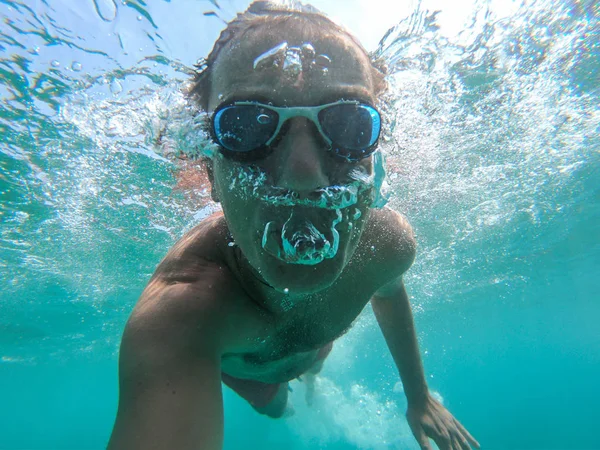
[{"x": 493, "y": 155}]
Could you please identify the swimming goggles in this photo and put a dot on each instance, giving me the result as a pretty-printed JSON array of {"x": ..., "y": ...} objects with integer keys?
[{"x": 248, "y": 130}]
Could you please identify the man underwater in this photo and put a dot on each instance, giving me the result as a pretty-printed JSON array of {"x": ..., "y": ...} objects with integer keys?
[{"x": 254, "y": 296}]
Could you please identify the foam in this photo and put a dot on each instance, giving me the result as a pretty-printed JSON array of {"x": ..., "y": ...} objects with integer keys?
[
  {"x": 355, "y": 415},
  {"x": 293, "y": 62},
  {"x": 299, "y": 241},
  {"x": 253, "y": 182}
]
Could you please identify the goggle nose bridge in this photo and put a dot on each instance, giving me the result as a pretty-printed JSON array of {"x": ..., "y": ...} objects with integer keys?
[{"x": 308, "y": 112}]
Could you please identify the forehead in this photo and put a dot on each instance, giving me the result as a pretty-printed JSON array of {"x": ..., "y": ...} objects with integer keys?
[{"x": 348, "y": 71}]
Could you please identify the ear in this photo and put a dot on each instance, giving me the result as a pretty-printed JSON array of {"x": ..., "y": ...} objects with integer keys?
[{"x": 208, "y": 164}]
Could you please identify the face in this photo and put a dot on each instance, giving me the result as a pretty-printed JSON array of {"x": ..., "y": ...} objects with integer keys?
[{"x": 277, "y": 207}]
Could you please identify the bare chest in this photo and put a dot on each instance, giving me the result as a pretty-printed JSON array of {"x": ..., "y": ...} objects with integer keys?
[{"x": 288, "y": 344}]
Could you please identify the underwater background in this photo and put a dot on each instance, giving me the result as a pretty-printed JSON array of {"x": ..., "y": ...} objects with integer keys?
[{"x": 493, "y": 154}]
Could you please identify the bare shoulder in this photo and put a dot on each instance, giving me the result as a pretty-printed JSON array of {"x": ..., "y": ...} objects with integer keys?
[
  {"x": 194, "y": 295},
  {"x": 199, "y": 249},
  {"x": 391, "y": 239}
]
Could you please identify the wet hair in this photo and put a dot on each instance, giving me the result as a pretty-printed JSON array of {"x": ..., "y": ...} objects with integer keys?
[{"x": 265, "y": 14}]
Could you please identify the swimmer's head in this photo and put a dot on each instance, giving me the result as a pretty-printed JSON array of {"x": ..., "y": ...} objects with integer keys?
[
  {"x": 273, "y": 22},
  {"x": 293, "y": 104}
]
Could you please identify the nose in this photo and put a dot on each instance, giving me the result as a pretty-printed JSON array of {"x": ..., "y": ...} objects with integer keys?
[{"x": 300, "y": 162}]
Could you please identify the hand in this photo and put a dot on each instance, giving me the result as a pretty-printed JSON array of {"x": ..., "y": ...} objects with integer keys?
[{"x": 432, "y": 420}]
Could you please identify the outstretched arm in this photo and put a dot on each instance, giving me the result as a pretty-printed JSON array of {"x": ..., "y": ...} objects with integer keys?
[
  {"x": 426, "y": 417},
  {"x": 169, "y": 374}
]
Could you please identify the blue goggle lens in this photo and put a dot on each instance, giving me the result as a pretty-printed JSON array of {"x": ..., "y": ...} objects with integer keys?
[
  {"x": 351, "y": 126},
  {"x": 243, "y": 128}
]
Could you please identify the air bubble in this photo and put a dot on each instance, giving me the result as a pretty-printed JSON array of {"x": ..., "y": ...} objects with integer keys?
[
  {"x": 55, "y": 63},
  {"x": 76, "y": 66},
  {"x": 308, "y": 50},
  {"x": 292, "y": 64},
  {"x": 231, "y": 244},
  {"x": 286, "y": 291},
  {"x": 253, "y": 182},
  {"x": 323, "y": 60},
  {"x": 299, "y": 241},
  {"x": 115, "y": 87},
  {"x": 106, "y": 9},
  {"x": 271, "y": 56},
  {"x": 139, "y": 18}
]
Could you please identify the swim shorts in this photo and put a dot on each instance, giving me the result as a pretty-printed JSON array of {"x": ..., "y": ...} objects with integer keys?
[{"x": 260, "y": 394}]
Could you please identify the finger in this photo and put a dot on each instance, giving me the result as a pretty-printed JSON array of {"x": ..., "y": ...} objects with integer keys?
[
  {"x": 443, "y": 441},
  {"x": 421, "y": 438},
  {"x": 455, "y": 442},
  {"x": 439, "y": 433},
  {"x": 466, "y": 434},
  {"x": 460, "y": 442}
]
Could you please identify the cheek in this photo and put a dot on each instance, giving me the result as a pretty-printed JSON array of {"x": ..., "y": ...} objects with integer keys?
[
  {"x": 352, "y": 171},
  {"x": 239, "y": 207},
  {"x": 365, "y": 166}
]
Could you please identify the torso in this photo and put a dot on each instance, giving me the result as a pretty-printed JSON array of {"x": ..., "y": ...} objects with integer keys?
[
  {"x": 274, "y": 347},
  {"x": 286, "y": 345}
]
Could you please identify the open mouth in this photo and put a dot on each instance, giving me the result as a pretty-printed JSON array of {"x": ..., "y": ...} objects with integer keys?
[{"x": 306, "y": 237}]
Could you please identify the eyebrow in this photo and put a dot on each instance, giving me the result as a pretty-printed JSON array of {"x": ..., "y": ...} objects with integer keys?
[
  {"x": 358, "y": 93},
  {"x": 249, "y": 95},
  {"x": 348, "y": 93}
]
